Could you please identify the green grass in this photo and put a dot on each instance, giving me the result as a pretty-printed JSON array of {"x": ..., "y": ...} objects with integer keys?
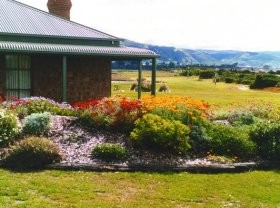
[
  {"x": 90, "y": 189},
  {"x": 220, "y": 94}
]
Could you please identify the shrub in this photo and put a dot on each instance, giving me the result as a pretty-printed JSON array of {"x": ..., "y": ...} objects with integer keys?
[
  {"x": 265, "y": 80},
  {"x": 9, "y": 126},
  {"x": 267, "y": 138},
  {"x": 163, "y": 88},
  {"x": 157, "y": 133},
  {"x": 145, "y": 87},
  {"x": 206, "y": 74},
  {"x": 230, "y": 141},
  {"x": 241, "y": 117},
  {"x": 109, "y": 152},
  {"x": 229, "y": 80},
  {"x": 199, "y": 140},
  {"x": 190, "y": 72},
  {"x": 37, "y": 123},
  {"x": 32, "y": 153}
]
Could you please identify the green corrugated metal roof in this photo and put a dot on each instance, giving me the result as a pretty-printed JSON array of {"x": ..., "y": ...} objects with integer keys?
[
  {"x": 75, "y": 49},
  {"x": 20, "y": 19},
  {"x": 41, "y": 32}
]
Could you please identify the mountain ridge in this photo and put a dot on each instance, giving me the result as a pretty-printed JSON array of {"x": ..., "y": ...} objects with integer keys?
[{"x": 184, "y": 56}]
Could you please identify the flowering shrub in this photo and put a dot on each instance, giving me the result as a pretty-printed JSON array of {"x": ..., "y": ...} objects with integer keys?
[
  {"x": 113, "y": 111},
  {"x": 9, "y": 126},
  {"x": 185, "y": 109},
  {"x": 157, "y": 133}
]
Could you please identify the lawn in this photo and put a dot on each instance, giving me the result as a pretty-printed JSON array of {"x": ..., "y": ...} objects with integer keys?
[
  {"x": 221, "y": 94},
  {"x": 90, "y": 189}
]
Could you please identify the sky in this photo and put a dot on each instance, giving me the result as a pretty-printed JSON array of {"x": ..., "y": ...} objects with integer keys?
[{"x": 247, "y": 25}]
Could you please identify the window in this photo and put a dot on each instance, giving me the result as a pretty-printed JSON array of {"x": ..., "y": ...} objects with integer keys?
[{"x": 18, "y": 82}]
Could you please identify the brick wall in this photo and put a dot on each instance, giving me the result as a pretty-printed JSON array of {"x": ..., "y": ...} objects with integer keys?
[
  {"x": 60, "y": 7},
  {"x": 87, "y": 77},
  {"x": 2, "y": 74},
  {"x": 46, "y": 76}
]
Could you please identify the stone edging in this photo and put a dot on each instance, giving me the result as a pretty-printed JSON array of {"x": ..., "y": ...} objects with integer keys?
[{"x": 199, "y": 168}]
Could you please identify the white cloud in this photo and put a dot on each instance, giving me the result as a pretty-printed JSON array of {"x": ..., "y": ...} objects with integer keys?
[{"x": 216, "y": 24}]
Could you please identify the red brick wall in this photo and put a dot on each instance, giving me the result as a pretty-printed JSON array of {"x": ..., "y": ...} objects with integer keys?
[
  {"x": 87, "y": 77},
  {"x": 2, "y": 74},
  {"x": 46, "y": 76},
  {"x": 60, "y": 7}
]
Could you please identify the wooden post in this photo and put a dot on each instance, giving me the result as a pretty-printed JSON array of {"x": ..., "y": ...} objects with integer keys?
[
  {"x": 64, "y": 79},
  {"x": 154, "y": 67},
  {"x": 139, "y": 79}
]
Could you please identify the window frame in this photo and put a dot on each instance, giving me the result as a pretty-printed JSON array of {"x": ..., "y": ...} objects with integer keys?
[{"x": 18, "y": 90}]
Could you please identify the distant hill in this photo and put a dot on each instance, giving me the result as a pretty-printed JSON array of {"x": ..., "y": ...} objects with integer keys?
[{"x": 210, "y": 57}]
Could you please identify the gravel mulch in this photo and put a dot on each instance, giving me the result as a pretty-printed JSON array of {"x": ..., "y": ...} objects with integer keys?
[{"x": 76, "y": 143}]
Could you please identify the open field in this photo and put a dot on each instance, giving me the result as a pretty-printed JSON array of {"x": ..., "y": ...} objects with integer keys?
[
  {"x": 87, "y": 189},
  {"x": 220, "y": 94}
]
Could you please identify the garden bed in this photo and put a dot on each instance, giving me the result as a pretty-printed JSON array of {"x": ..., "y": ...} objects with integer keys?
[
  {"x": 119, "y": 133},
  {"x": 76, "y": 143}
]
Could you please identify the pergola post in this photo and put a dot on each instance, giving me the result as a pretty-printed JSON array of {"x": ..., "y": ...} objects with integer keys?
[
  {"x": 154, "y": 67},
  {"x": 64, "y": 79},
  {"x": 140, "y": 79}
]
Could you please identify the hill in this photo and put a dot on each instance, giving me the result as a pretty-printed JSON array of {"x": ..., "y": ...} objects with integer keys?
[{"x": 268, "y": 59}]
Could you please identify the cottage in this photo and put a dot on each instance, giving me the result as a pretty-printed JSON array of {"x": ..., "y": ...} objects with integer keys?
[{"x": 47, "y": 54}]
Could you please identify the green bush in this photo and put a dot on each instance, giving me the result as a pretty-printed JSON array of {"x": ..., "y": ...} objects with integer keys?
[
  {"x": 199, "y": 140},
  {"x": 163, "y": 88},
  {"x": 229, "y": 80},
  {"x": 9, "y": 127},
  {"x": 265, "y": 80},
  {"x": 190, "y": 72},
  {"x": 32, "y": 153},
  {"x": 109, "y": 152},
  {"x": 157, "y": 133},
  {"x": 145, "y": 87},
  {"x": 241, "y": 117},
  {"x": 230, "y": 141},
  {"x": 206, "y": 74},
  {"x": 246, "y": 79},
  {"x": 267, "y": 138},
  {"x": 37, "y": 123}
]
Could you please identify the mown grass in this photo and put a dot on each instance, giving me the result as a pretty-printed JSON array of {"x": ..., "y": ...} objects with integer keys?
[
  {"x": 221, "y": 94},
  {"x": 89, "y": 189}
]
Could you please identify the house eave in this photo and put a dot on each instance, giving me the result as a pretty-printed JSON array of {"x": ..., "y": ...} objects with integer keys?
[{"x": 118, "y": 52}]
